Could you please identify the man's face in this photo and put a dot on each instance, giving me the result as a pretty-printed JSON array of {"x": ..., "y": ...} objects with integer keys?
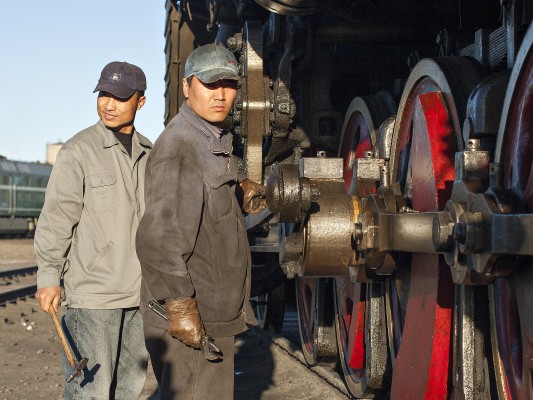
[
  {"x": 211, "y": 101},
  {"x": 119, "y": 114}
]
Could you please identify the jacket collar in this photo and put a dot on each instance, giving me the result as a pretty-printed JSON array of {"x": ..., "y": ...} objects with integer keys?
[
  {"x": 224, "y": 145},
  {"x": 110, "y": 140}
]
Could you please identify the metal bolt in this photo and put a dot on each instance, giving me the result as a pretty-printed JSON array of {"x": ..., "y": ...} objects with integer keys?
[{"x": 459, "y": 233}]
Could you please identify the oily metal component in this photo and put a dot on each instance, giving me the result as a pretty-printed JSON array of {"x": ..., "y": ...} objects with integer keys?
[
  {"x": 472, "y": 176},
  {"x": 385, "y": 225},
  {"x": 287, "y": 193},
  {"x": 377, "y": 354},
  {"x": 254, "y": 103},
  {"x": 290, "y": 252},
  {"x": 322, "y": 247},
  {"x": 328, "y": 232},
  {"x": 483, "y": 112}
]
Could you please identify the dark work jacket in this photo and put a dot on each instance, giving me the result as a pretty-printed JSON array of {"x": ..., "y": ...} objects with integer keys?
[{"x": 191, "y": 240}]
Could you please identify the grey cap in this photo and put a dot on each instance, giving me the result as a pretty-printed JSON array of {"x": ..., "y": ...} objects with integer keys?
[
  {"x": 121, "y": 79},
  {"x": 211, "y": 63}
]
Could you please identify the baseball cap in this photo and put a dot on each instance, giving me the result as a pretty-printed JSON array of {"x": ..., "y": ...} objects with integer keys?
[
  {"x": 121, "y": 79},
  {"x": 211, "y": 63}
]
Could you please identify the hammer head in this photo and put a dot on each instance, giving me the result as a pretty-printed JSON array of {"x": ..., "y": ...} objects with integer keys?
[{"x": 75, "y": 370}]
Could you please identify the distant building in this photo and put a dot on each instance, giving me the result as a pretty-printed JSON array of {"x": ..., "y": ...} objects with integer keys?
[{"x": 51, "y": 152}]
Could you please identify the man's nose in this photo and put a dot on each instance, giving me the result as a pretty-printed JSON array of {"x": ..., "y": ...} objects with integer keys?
[
  {"x": 220, "y": 93},
  {"x": 109, "y": 103}
]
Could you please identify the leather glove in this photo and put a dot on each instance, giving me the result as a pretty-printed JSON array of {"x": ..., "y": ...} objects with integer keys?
[
  {"x": 184, "y": 321},
  {"x": 253, "y": 196}
]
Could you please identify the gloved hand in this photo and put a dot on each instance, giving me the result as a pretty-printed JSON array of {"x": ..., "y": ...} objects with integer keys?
[
  {"x": 184, "y": 321},
  {"x": 253, "y": 196}
]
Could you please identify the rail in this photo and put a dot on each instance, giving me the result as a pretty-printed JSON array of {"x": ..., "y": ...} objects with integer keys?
[{"x": 17, "y": 284}]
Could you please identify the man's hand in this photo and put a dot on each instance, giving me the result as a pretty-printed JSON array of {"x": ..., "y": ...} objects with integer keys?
[
  {"x": 47, "y": 296},
  {"x": 184, "y": 321},
  {"x": 253, "y": 196}
]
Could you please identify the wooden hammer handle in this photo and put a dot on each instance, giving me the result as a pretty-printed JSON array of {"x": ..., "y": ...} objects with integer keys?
[{"x": 59, "y": 329}]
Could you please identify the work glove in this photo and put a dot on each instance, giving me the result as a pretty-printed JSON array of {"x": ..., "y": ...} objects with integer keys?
[
  {"x": 253, "y": 196},
  {"x": 184, "y": 321}
]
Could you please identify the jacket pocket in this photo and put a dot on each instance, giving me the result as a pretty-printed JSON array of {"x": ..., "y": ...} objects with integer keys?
[
  {"x": 220, "y": 195},
  {"x": 104, "y": 192},
  {"x": 91, "y": 266}
]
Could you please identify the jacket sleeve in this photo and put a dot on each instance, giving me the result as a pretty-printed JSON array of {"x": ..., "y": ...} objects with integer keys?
[
  {"x": 168, "y": 230},
  {"x": 60, "y": 215}
]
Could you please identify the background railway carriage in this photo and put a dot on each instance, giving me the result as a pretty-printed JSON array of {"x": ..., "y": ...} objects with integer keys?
[
  {"x": 22, "y": 188},
  {"x": 395, "y": 139}
]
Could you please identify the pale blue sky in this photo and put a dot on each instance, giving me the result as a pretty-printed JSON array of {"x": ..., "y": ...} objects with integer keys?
[{"x": 51, "y": 55}]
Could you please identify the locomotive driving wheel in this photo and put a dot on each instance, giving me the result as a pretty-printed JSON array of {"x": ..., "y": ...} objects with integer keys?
[
  {"x": 421, "y": 293},
  {"x": 315, "y": 320},
  {"x": 356, "y": 303},
  {"x": 511, "y": 298}
]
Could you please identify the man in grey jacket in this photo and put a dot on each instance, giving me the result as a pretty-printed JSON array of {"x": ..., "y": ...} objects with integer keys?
[
  {"x": 86, "y": 235},
  {"x": 191, "y": 241}
]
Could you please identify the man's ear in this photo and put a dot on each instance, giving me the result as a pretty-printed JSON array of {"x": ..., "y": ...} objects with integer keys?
[
  {"x": 185, "y": 88},
  {"x": 140, "y": 102}
]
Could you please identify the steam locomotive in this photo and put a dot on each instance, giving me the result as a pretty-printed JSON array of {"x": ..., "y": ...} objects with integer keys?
[
  {"x": 22, "y": 188},
  {"x": 395, "y": 141}
]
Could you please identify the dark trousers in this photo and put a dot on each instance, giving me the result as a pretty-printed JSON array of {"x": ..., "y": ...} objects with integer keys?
[{"x": 183, "y": 372}]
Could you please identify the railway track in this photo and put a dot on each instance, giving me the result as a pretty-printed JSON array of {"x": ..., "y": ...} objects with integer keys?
[{"x": 17, "y": 283}]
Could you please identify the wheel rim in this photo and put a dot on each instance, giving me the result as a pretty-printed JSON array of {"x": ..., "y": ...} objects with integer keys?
[
  {"x": 306, "y": 291},
  {"x": 359, "y": 135},
  {"x": 426, "y": 137},
  {"x": 511, "y": 298}
]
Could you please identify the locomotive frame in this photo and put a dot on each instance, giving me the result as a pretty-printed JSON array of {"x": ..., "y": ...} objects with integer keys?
[{"x": 395, "y": 140}]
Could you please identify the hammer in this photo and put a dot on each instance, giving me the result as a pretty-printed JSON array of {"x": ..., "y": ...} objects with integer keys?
[{"x": 75, "y": 370}]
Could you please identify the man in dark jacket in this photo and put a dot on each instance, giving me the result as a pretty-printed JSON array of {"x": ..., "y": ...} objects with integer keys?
[{"x": 191, "y": 242}]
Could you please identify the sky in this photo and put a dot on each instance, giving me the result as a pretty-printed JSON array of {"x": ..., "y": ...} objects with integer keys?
[{"x": 51, "y": 56}]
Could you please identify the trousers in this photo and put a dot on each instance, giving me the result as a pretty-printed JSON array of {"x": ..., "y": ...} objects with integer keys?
[
  {"x": 113, "y": 341},
  {"x": 183, "y": 373}
]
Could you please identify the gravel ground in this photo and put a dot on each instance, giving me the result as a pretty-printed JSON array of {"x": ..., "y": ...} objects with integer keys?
[{"x": 32, "y": 352}]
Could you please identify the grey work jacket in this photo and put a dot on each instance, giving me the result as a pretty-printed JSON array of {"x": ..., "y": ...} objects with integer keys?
[
  {"x": 191, "y": 240},
  {"x": 86, "y": 231}
]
